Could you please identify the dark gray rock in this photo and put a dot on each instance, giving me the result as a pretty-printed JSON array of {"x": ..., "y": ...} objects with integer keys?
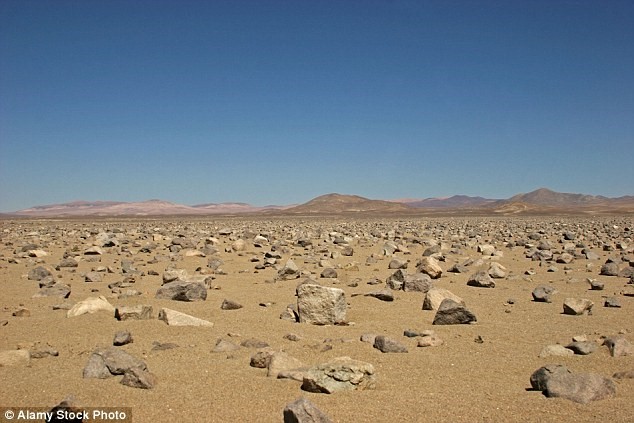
[
  {"x": 579, "y": 387},
  {"x": 610, "y": 269},
  {"x": 582, "y": 348},
  {"x": 122, "y": 337},
  {"x": 104, "y": 363},
  {"x": 57, "y": 290},
  {"x": 543, "y": 374},
  {"x": 612, "y": 302},
  {"x": 383, "y": 295},
  {"x": 543, "y": 294},
  {"x": 328, "y": 272},
  {"x": 139, "y": 377},
  {"x": 452, "y": 313}
]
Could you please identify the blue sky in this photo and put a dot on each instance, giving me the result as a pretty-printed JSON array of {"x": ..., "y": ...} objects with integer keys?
[{"x": 276, "y": 102}]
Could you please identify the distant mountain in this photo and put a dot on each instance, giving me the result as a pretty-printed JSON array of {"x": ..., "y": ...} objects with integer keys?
[
  {"x": 340, "y": 203},
  {"x": 539, "y": 202},
  {"x": 446, "y": 202}
]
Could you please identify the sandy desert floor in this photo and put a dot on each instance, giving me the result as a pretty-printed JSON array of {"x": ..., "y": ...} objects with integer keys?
[{"x": 459, "y": 381}]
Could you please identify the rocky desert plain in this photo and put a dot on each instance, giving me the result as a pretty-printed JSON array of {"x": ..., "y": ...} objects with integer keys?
[{"x": 372, "y": 314}]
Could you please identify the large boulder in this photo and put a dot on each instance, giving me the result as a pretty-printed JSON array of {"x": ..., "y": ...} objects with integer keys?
[
  {"x": 106, "y": 362},
  {"x": 580, "y": 387},
  {"x": 340, "y": 374},
  {"x": 321, "y": 305},
  {"x": 182, "y": 291}
]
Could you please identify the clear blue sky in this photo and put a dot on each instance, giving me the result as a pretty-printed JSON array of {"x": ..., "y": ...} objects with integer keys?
[{"x": 276, "y": 102}]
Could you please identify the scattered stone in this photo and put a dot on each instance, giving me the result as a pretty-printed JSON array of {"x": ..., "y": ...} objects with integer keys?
[
  {"x": 280, "y": 361},
  {"x": 289, "y": 271},
  {"x": 555, "y": 350},
  {"x": 162, "y": 346},
  {"x": 543, "y": 294},
  {"x": 57, "y": 290},
  {"x": 388, "y": 345},
  {"x": 429, "y": 266},
  {"x": 93, "y": 277},
  {"x": 541, "y": 376},
  {"x": 292, "y": 337},
  {"x": 582, "y": 348},
  {"x": 397, "y": 263},
  {"x": 418, "y": 282},
  {"x": 612, "y": 302},
  {"x": 580, "y": 387},
  {"x": 328, "y": 273},
  {"x": 230, "y": 305},
  {"x": 435, "y": 297},
  {"x": 261, "y": 359},
  {"x": 139, "y": 377},
  {"x": 137, "y": 312},
  {"x": 610, "y": 269},
  {"x": 39, "y": 273},
  {"x": 122, "y": 337},
  {"x": 176, "y": 318},
  {"x": 22, "y": 312},
  {"x": 497, "y": 271},
  {"x": 182, "y": 291},
  {"x": 481, "y": 279},
  {"x": 368, "y": 337},
  {"x": 304, "y": 411},
  {"x": 618, "y": 346},
  {"x": 225, "y": 346},
  {"x": 629, "y": 374},
  {"x": 577, "y": 307},
  {"x": 340, "y": 374},
  {"x": 321, "y": 305},
  {"x": 104, "y": 363},
  {"x": 453, "y": 313},
  {"x": 596, "y": 285},
  {"x": 254, "y": 343},
  {"x": 430, "y": 341},
  {"x": 383, "y": 295},
  {"x": 90, "y": 305}
]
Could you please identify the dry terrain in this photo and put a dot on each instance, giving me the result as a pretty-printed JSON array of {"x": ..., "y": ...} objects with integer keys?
[{"x": 480, "y": 373}]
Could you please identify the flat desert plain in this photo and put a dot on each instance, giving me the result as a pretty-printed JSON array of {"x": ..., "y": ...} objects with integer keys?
[{"x": 481, "y": 372}]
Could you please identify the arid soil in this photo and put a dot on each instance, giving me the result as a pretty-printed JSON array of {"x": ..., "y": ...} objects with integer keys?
[{"x": 459, "y": 381}]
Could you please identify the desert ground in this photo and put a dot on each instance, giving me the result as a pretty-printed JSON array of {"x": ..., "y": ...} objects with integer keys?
[{"x": 481, "y": 372}]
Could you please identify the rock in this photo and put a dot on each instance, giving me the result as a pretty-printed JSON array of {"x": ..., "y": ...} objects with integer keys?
[
  {"x": 368, "y": 338},
  {"x": 123, "y": 337},
  {"x": 93, "y": 251},
  {"x": 304, "y": 411},
  {"x": 137, "y": 312},
  {"x": 418, "y": 282},
  {"x": 254, "y": 343},
  {"x": 430, "y": 341},
  {"x": 162, "y": 346},
  {"x": 239, "y": 245},
  {"x": 397, "y": 263},
  {"x": 388, "y": 345},
  {"x": 58, "y": 290},
  {"x": 453, "y": 313},
  {"x": 383, "y": 295},
  {"x": 90, "y": 305},
  {"x": 581, "y": 387},
  {"x": 429, "y": 266},
  {"x": 610, "y": 269},
  {"x": 280, "y": 361},
  {"x": 540, "y": 377},
  {"x": 12, "y": 358},
  {"x": 176, "y": 318},
  {"x": 396, "y": 280},
  {"x": 577, "y": 307},
  {"x": 328, "y": 273},
  {"x": 22, "y": 312},
  {"x": 93, "y": 277},
  {"x": 39, "y": 273},
  {"x": 435, "y": 297},
  {"x": 556, "y": 350},
  {"x": 596, "y": 285},
  {"x": 582, "y": 348},
  {"x": 106, "y": 362},
  {"x": 612, "y": 302},
  {"x": 68, "y": 262},
  {"x": 182, "y": 291},
  {"x": 543, "y": 294},
  {"x": 261, "y": 359},
  {"x": 173, "y": 275},
  {"x": 138, "y": 377},
  {"x": 481, "y": 279},
  {"x": 497, "y": 271},
  {"x": 486, "y": 249},
  {"x": 340, "y": 374},
  {"x": 618, "y": 346},
  {"x": 230, "y": 305},
  {"x": 225, "y": 346},
  {"x": 321, "y": 305},
  {"x": 289, "y": 271}
]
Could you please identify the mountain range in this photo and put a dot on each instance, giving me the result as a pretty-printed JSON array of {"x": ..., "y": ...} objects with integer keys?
[{"x": 540, "y": 201}]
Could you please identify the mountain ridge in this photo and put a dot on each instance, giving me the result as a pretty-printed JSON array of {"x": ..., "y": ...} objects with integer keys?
[{"x": 541, "y": 200}]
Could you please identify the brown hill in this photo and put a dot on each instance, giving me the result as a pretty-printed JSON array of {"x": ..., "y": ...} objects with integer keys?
[{"x": 340, "y": 203}]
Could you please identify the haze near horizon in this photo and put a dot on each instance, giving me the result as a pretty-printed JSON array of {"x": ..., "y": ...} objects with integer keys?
[{"x": 278, "y": 102}]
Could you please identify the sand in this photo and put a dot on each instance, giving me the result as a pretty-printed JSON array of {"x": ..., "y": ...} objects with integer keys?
[{"x": 460, "y": 381}]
